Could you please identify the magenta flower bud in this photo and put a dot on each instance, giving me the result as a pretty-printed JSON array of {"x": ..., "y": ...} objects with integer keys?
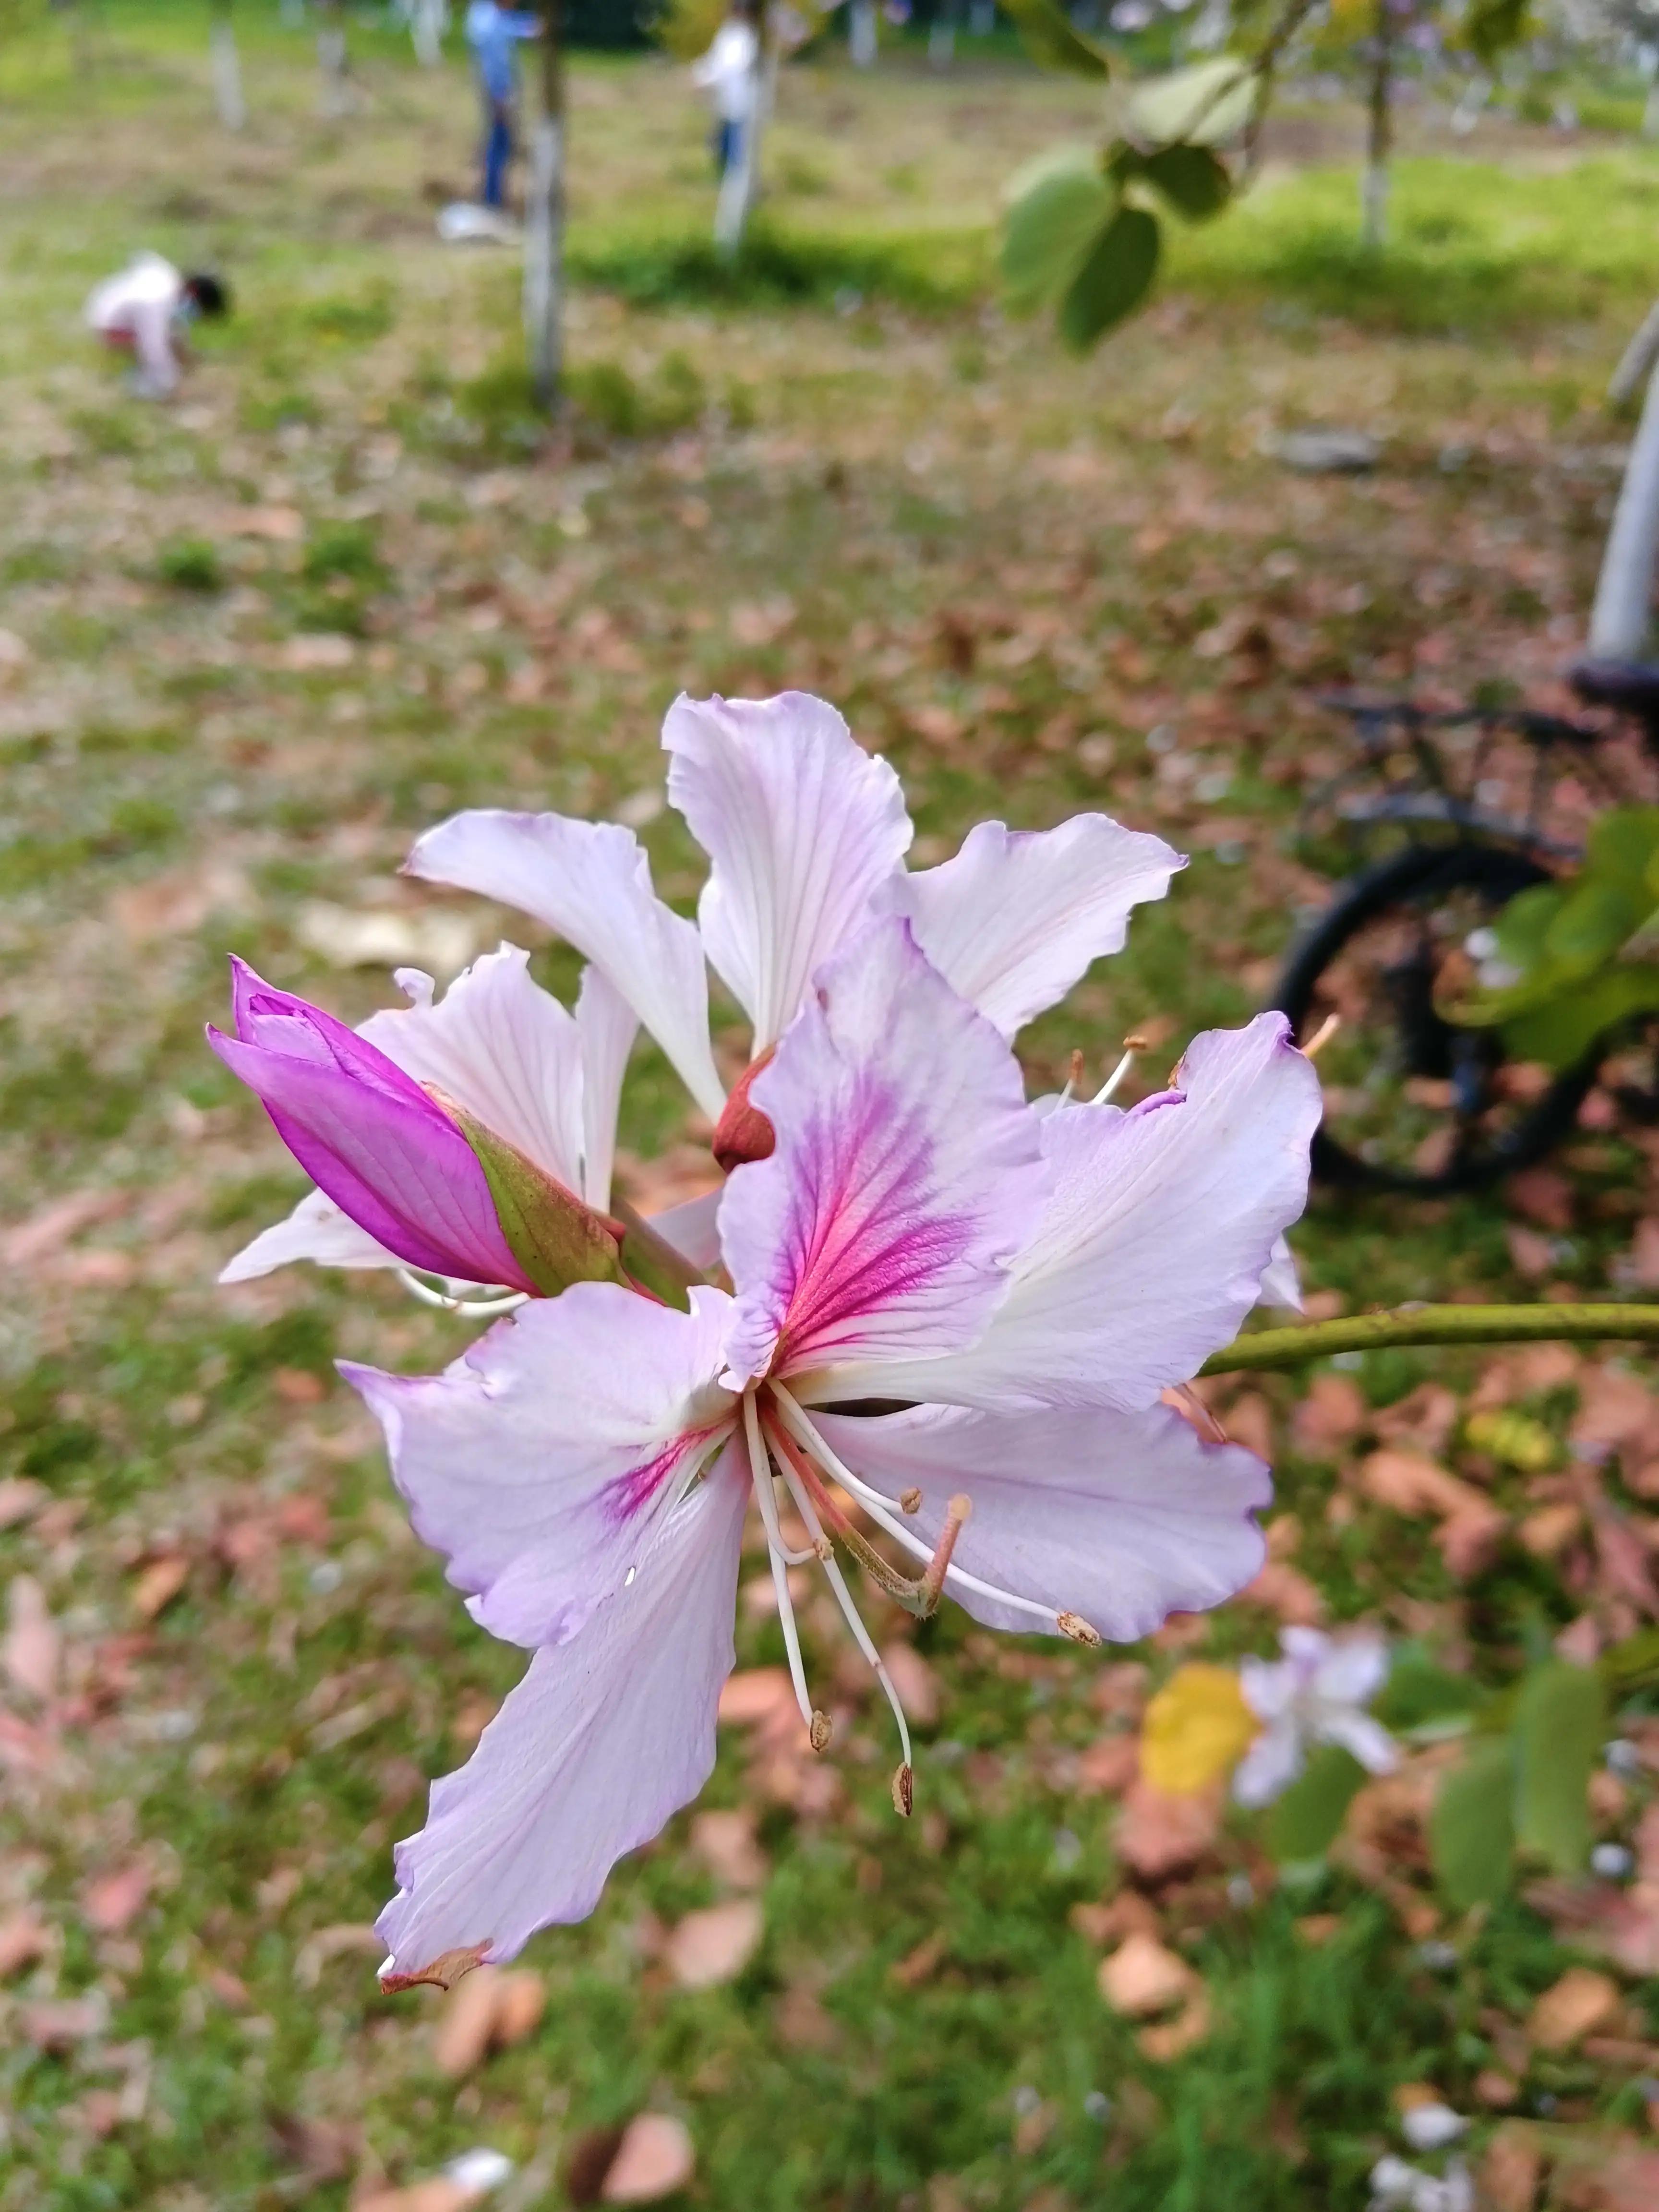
[{"x": 368, "y": 1135}]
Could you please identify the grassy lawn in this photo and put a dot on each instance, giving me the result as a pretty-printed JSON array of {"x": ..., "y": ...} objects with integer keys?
[{"x": 255, "y": 642}]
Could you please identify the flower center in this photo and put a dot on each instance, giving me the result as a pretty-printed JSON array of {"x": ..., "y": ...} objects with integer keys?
[{"x": 784, "y": 1444}]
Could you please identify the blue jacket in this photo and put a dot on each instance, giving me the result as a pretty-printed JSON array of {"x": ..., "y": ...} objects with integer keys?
[{"x": 491, "y": 31}]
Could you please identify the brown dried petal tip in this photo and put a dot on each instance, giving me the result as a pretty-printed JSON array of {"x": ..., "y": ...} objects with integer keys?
[
  {"x": 1074, "y": 1626},
  {"x": 445, "y": 1970}
]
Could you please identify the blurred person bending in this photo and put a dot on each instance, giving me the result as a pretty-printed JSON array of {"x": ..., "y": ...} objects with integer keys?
[{"x": 145, "y": 310}]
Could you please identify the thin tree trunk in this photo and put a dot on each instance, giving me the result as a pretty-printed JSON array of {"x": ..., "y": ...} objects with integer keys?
[
  {"x": 227, "y": 70},
  {"x": 426, "y": 29},
  {"x": 335, "y": 98},
  {"x": 861, "y": 33},
  {"x": 942, "y": 35},
  {"x": 1374, "y": 192},
  {"x": 740, "y": 186},
  {"x": 543, "y": 236},
  {"x": 1624, "y": 590}
]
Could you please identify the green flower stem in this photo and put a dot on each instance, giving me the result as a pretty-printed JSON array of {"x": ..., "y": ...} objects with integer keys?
[{"x": 1293, "y": 1347}]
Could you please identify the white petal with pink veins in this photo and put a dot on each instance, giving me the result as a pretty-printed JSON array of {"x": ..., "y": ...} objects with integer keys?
[
  {"x": 537, "y": 1462},
  {"x": 1014, "y": 920},
  {"x": 502, "y": 1048},
  {"x": 604, "y": 1738},
  {"x": 1153, "y": 1244},
  {"x": 591, "y": 881},
  {"x": 802, "y": 826},
  {"x": 908, "y": 1172},
  {"x": 1121, "y": 1518}
]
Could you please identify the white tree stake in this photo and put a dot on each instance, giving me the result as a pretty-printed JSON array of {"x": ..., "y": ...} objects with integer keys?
[{"x": 1624, "y": 591}]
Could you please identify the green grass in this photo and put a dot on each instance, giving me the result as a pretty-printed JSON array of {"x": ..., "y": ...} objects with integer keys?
[{"x": 1007, "y": 568}]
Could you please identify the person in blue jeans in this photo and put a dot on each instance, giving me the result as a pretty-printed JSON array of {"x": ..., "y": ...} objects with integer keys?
[{"x": 493, "y": 31}]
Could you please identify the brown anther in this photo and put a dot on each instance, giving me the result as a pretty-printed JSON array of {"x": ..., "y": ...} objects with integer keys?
[
  {"x": 1074, "y": 1073},
  {"x": 1135, "y": 1043},
  {"x": 823, "y": 1548},
  {"x": 1322, "y": 1037},
  {"x": 819, "y": 1733},
  {"x": 1074, "y": 1626},
  {"x": 904, "y": 1790},
  {"x": 909, "y": 1501}
]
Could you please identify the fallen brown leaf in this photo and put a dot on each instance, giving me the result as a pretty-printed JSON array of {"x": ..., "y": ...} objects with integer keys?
[
  {"x": 115, "y": 1901},
  {"x": 655, "y": 2158},
  {"x": 466, "y": 2024},
  {"x": 154, "y": 1587},
  {"x": 1422, "y": 1421},
  {"x": 1510, "y": 2171},
  {"x": 327, "y": 1943},
  {"x": 43, "y": 1233},
  {"x": 714, "y": 1945},
  {"x": 29, "y": 1653},
  {"x": 1108, "y": 1765},
  {"x": 724, "y": 1842},
  {"x": 915, "y": 1967},
  {"x": 754, "y": 1695},
  {"x": 1572, "y": 2008},
  {"x": 21, "y": 1496},
  {"x": 1169, "y": 2040},
  {"x": 59, "y": 2024},
  {"x": 1141, "y": 1978},
  {"x": 23, "y": 1939},
  {"x": 1287, "y": 1594},
  {"x": 1158, "y": 1835},
  {"x": 1332, "y": 1413},
  {"x": 915, "y": 1681}
]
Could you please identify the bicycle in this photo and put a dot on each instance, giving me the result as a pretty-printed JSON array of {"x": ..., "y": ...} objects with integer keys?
[{"x": 1471, "y": 807}]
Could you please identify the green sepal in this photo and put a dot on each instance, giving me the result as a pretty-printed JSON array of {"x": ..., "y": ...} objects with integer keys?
[
  {"x": 555, "y": 1238},
  {"x": 652, "y": 1262}
]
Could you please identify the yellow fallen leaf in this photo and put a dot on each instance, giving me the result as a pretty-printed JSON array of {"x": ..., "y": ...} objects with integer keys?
[{"x": 1197, "y": 1729}]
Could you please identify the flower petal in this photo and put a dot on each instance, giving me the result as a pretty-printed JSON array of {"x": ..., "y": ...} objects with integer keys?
[
  {"x": 538, "y": 1463},
  {"x": 591, "y": 881},
  {"x": 607, "y": 1026},
  {"x": 368, "y": 1135},
  {"x": 693, "y": 1229},
  {"x": 801, "y": 825},
  {"x": 316, "y": 1230},
  {"x": 907, "y": 1175},
  {"x": 1123, "y": 1518},
  {"x": 1367, "y": 1740},
  {"x": 1013, "y": 921},
  {"x": 1270, "y": 1765},
  {"x": 500, "y": 1047},
  {"x": 1351, "y": 1669},
  {"x": 1153, "y": 1244},
  {"x": 604, "y": 1738},
  {"x": 1281, "y": 1283}
]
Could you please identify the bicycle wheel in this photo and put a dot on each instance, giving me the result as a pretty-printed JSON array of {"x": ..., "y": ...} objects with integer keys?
[{"x": 1412, "y": 1102}]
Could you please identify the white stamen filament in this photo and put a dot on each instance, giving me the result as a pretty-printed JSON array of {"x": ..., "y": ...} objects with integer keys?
[
  {"x": 850, "y": 1612},
  {"x": 881, "y": 1511},
  {"x": 452, "y": 1301},
  {"x": 1113, "y": 1080},
  {"x": 761, "y": 1471}
]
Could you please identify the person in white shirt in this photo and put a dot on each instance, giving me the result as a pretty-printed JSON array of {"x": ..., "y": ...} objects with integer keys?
[
  {"x": 728, "y": 73},
  {"x": 145, "y": 310}
]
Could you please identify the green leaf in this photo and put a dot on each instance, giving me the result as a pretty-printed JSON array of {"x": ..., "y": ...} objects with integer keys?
[
  {"x": 1623, "y": 848},
  {"x": 1203, "y": 106},
  {"x": 1561, "y": 1031},
  {"x": 1114, "y": 280},
  {"x": 1524, "y": 924},
  {"x": 1049, "y": 37},
  {"x": 1492, "y": 26},
  {"x": 1050, "y": 229},
  {"x": 555, "y": 1238},
  {"x": 1308, "y": 1818},
  {"x": 1472, "y": 1827},
  {"x": 1595, "y": 921},
  {"x": 1560, "y": 1726},
  {"x": 1418, "y": 1692},
  {"x": 1192, "y": 179}
]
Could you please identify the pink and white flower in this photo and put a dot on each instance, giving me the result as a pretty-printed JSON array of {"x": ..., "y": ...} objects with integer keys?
[
  {"x": 1025, "y": 1285},
  {"x": 806, "y": 835},
  {"x": 1317, "y": 1693}
]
